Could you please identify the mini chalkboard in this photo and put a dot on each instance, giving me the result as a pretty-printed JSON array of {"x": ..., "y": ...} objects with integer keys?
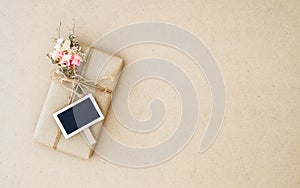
[{"x": 78, "y": 116}]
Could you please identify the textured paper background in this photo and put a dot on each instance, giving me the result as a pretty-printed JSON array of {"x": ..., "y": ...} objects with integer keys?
[{"x": 256, "y": 44}]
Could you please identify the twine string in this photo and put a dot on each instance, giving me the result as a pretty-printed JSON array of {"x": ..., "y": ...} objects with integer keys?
[{"x": 77, "y": 86}]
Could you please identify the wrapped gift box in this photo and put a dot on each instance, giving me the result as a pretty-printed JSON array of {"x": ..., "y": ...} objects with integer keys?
[{"x": 99, "y": 65}]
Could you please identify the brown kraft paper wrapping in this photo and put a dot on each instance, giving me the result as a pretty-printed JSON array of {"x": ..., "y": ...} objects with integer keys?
[{"x": 98, "y": 65}]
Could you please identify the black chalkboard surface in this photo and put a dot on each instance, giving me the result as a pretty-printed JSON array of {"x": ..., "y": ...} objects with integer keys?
[{"x": 78, "y": 116}]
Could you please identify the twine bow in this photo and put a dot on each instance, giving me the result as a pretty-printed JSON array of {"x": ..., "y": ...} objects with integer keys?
[{"x": 82, "y": 84}]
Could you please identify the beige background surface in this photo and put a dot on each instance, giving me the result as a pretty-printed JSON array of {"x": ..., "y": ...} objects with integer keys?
[{"x": 256, "y": 44}]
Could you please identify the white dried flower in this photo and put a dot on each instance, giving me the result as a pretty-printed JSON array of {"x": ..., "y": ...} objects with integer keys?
[
  {"x": 58, "y": 43},
  {"x": 53, "y": 55},
  {"x": 66, "y": 57},
  {"x": 66, "y": 45}
]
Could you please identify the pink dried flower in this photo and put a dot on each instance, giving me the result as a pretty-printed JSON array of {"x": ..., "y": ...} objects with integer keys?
[
  {"x": 75, "y": 60},
  {"x": 67, "y": 59},
  {"x": 59, "y": 54}
]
